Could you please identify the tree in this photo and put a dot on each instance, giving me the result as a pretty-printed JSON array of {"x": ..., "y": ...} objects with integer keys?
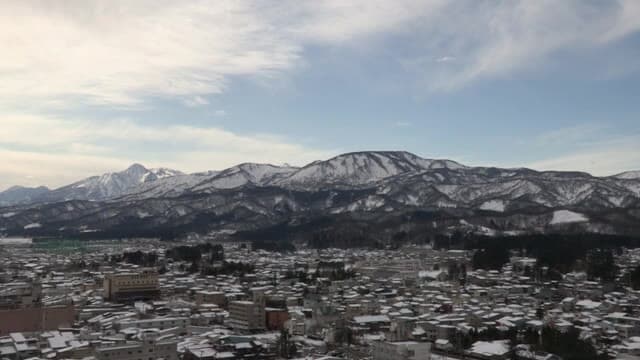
[
  {"x": 491, "y": 258},
  {"x": 601, "y": 265},
  {"x": 633, "y": 278},
  {"x": 568, "y": 345},
  {"x": 286, "y": 348},
  {"x": 193, "y": 268}
]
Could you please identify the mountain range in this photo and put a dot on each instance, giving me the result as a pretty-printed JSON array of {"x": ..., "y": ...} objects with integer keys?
[{"x": 386, "y": 190}]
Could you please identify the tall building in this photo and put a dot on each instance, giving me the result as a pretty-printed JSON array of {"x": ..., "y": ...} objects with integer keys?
[
  {"x": 128, "y": 287},
  {"x": 246, "y": 316}
]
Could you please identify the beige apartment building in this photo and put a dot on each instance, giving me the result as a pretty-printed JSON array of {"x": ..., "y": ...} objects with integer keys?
[
  {"x": 246, "y": 316},
  {"x": 132, "y": 286}
]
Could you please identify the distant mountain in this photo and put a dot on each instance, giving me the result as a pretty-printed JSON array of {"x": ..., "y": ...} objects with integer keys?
[
  {"x": 21, "y": 194},
  {"x": 628, "y": 175},
  {"x": 102, "y": 187},
  {"x": 378, "y": 190},
  {"x": 109, "y": 185},
  {"x": 361, "y": 168},
  {"x": 244, "y": 174}
]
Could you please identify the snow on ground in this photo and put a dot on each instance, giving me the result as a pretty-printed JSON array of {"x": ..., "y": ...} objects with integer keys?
[
  {"x": 15, "y": 241},
  {"x": 566, "y": 216},
  {"x": 8, "y": 215},
  {"x": 490, "y": 348},
  {"x": 32, "y": 226},
  {"x": 493, "y": 205}
]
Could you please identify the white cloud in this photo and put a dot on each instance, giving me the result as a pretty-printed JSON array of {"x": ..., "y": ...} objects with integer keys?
[
  {"x": 122, "y": 52},
  {"x": 35, "y": 168},
  {"x": 79, "y": 148},
  {"x": 67, "y": 54},
  {"x": 602, "y": 156},
  {"x": 118, "y": 52},
  {"x": 196, "y": 101},
  {"x": 600, "y": 162},
  {"x": 580, "y": 134},
  {"x": 491, "y": 39}
]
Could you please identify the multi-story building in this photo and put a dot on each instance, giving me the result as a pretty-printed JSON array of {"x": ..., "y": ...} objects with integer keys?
[
  {"x": 160, "y": 323},
  {"x": 210, "y": 297},
  {"x": 246, "y": 316},
  {"x": 127, "y": 287},
  {"x": 147, "y": 349}
]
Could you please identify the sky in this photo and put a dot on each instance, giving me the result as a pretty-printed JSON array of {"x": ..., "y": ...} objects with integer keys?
[{"x": 90, "y": 86}]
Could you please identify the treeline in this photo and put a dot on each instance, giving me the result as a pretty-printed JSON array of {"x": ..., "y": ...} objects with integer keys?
[
  {"x": 196, "y": 252},
  {"x": 563, "y": 252},
  {"x": 343, "y": 238},
  {"x": 228, "y": 268},
  {"x": 273, "y": 246},
  {"x": 146, "y": 259},
  {"x": 568, "y": 345}
]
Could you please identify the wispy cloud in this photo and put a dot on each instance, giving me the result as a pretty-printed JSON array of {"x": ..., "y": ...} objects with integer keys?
[
  {"x": 81, "y": 147},
  {"x": 196, "y": 101},
  {"x": 594, "y": 148},
  {"x": 122, "y": 52}
]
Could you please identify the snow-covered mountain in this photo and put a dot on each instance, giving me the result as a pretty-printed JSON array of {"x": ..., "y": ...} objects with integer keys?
[
  {"x": 375, "y": 186},
  {"x": 628, "y": 175},
  {"x": 109, "y": 185},
  {"x": 243, "y": 174},
  {"x": 361, "y": 168},
  {"x": 21, "y": 194}
]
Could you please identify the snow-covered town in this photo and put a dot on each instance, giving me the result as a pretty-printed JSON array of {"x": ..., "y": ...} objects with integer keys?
[{"x": 147, "y": 299}]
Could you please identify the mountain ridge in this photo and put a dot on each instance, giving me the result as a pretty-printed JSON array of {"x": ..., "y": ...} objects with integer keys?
[{"x": 369, "y": 185}]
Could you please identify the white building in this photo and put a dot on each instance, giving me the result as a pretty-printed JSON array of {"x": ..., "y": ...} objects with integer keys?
[{"x": 402, "y": 350}]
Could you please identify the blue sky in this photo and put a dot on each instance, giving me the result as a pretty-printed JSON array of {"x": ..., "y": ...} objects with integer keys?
[{"x": 88, "y": 87}]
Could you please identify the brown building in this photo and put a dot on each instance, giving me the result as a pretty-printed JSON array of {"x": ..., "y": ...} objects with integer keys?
[
  {"x": 128, "y": 287},
  {"x": 276, "y": 318},
  {"x": 36, "y": 318},
  {"x": 210, "y": 297}
]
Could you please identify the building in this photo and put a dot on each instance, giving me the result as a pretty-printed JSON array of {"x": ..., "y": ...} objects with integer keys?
[
  {"x": 276, "y": 318},
  {"x": 20, "y": 294},
  {"x": 147, "y": 349},
  {"x": 21, "y": 309},
  {"x": 403, "y": 350},
  {"x": 246, "y": 316},
  {"x": 129, "y": 287},
  {"x": 37, "y": 318},
  {"x": 210, "y": 297},
  {"x": 161, "y": 323}
]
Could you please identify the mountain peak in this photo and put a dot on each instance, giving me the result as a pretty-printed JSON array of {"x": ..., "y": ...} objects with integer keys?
[
  {"x": 136, "y": 168},
  {"x": 363, "y": 167}
]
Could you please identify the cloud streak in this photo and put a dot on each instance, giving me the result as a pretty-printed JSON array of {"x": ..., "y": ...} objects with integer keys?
[
  {"x": 79, "y": 148},
  {"x": 594, "y": 149},
  {"x": 123, "y": 52}
]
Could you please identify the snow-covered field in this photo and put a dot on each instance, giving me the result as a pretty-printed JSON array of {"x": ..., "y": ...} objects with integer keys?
[{"x": 567, "y": 216}]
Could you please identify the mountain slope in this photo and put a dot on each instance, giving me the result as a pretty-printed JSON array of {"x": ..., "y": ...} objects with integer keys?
[
  {"x": 109, "y": 185},
  {"x": 360, "y": 168},
  {"x": 628, "y": 175},
  {"x": 368, "y": 186},
  {"x": 20, "y": 194}
]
